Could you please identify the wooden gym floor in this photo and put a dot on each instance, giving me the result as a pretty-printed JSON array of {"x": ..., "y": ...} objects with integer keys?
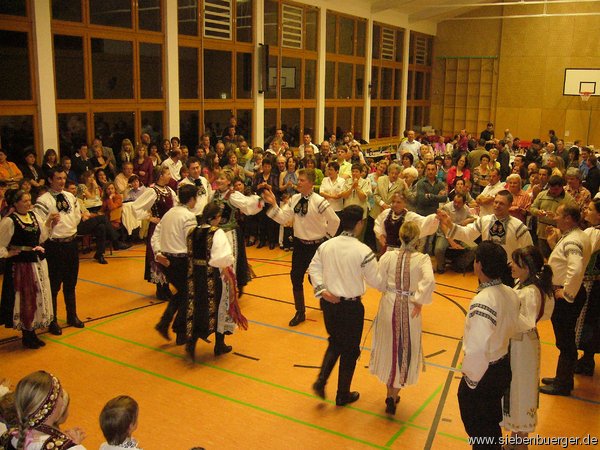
[{"x": 259, "y": 396}]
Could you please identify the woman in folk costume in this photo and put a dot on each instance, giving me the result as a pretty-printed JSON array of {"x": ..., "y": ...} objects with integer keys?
[
  {"x": 588, "y": 325},
  {"x": 534, "y": 289},
  {"x": 156, "y": 201},
  {"x": 232, "y": 204},
  {"x": 26, "y": 297},
  {"x": 42, "y": 405},
  {"x": 211, "y": 308},
  {"x": 397, "y": 353}
]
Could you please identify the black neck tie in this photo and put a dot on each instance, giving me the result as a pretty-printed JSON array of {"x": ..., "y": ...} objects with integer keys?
[
  {"x": 498, "y": 229},
  {"x": 301, "y": 207},
  {"x": 62, "y": 203}
]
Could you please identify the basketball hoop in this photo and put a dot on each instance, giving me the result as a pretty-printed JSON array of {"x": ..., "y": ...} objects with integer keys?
[{"x": 585, "y": 96}]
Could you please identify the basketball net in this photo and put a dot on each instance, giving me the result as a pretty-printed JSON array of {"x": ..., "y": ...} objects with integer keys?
[{"x": 585, "y": 96}]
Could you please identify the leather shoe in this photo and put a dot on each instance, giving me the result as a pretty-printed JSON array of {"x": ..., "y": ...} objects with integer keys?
[
  {"x": 271, "y": 246},
  {"x": 297, "y": 319},
  {"x": 250, "y": 243},
  {"x": 350, "y": 397},
  {"x": 585, "y": 367},
  {"x": 319, "y": 389},
  {"x": 261, "y": 244},
  {"x": 100, "y": 259},
  {"x": 555, "y": 390},
  {"x": 548, "y": 380},
  {"x": 75, "y": 322},
  {"x": 163, "y": 330},
  {"x": 390, "y": 405},
  {"x": 121, "y": 245},
  {"x": 222, "y": 349},
  {"x": 54, "y": 328}
]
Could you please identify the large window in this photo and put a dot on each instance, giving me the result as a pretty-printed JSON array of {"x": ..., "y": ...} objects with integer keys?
[
  {"x": 290, "y": 103},
  {"x": 419, "y": 81},
  {"x": 18, "y": 102},
  {"x": 344, "y": 74},
  {"x": 109, "y": 66},
  {"x": 386, "y": 81},
  {"x": 215, "y": 67}
]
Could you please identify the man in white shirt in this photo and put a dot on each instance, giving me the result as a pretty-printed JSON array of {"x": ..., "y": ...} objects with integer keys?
[
  {"x": 205, "y": 192},
  {"x": 173, "y": 162},
  {"x": 569, "y": 258},
  {"x": 338, "y": 272},
  {"x": 122, "y": 179},
  {"x": 307, "y": 143},
  {"x": 62, "y": 209},
  {"x": 411, "y": 146},
  {"x": 491, "y": 321},
  {"x": 314, "y": 222},
  {"x": 485, "y": 200},
  {"x": 169, "y": 243},
  {"x": 499, "y": 227}
]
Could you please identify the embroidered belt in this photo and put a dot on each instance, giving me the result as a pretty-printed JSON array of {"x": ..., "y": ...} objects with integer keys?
[
  {"x": 350, "y": 299},
  {"x": 496, "y": 361},
  {"x": 199, "y": 262},
  {"x": 313, "y": 242},
  {"x": 174, "y": 255},
  {"x": 66, "y": 239}
]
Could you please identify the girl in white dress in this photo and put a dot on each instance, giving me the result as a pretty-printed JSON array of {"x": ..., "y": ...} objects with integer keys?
[
  {"x": 397, "y": 353},
  {"x": 534, "y": 288}
]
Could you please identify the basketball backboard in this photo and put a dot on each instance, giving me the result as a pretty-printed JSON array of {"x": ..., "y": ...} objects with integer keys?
[{"x": 582, "y": 80}]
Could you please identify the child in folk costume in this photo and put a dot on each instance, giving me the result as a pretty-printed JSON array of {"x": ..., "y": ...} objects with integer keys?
[
  {"x": 408, "y": 283},
  {"x": 534, "y": 289}
]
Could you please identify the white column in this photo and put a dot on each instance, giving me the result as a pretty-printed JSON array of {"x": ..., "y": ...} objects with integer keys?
[
  {"x": 321, "y": 58},
  {"x": 366, "y": 121},
  {"x": 404, "y": 98},
  {"x": 172, "y": 68},
  {"x": 258, "y": 113},
  {"x": 44, "y": 76}
]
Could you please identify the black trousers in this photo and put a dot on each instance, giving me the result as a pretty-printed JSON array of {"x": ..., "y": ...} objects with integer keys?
[
  {"x": 481, "y": 408},
  {"x": 268, "y": 229},
  {"x": 301, "y": 258},
  {"x": 176, "y": 274},
  {"x": 344, "y": 323},
  {"x": 63, "y": 269},
  {"x": 369, "y": 234},
  {"x": 564, "y": 319}
]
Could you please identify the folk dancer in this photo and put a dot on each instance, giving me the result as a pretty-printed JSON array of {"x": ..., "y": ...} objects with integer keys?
[
  {"x": 62, "y": 254},
  {"x": 314, "y": 222},
  {"x": 340, "y": 288}
]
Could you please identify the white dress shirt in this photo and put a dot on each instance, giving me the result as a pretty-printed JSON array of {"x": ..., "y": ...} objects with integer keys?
[
  {"x": 341, "y": 265},
  {"x": 332, "y": 188},
  {"x": 142, "y": 206},
  {"x": 203, "y": 197},
  {"x": 516, "y": 235},
  {"x": 490, "y": 191},
  {"x": 320, "y": 221},
  {"x": 568, "y": 260},
  {"x": 301, "y": 149},
  {"x": 174, "y": 168},
  {"x": 170, "y": 235},
  {"x": 491, "y": 321},
  {"x": 67, "y": 225}
]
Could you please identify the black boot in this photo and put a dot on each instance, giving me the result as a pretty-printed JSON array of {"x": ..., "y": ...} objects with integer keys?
[
  {"x": 220, "y": 347},
  {"x": 72, "y": 318},
  {"x": 300, "y": 315},
  {"x": 54, "y": 327},
  {"x": 329, "y": 361},
  {"x": 585, "y": 365},
  {"x": 190, "y": 349},
  {"x": 344, "y": 395},
  {"x": 37, "y": 339},
  {"x": 29, "y": 340}
]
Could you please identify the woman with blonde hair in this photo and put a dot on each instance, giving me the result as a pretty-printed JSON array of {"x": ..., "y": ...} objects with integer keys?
[
  {"x": 127, "y": 153},
  {"x": 42, "y": 406},
  {"x": 408, "y": 283}
]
